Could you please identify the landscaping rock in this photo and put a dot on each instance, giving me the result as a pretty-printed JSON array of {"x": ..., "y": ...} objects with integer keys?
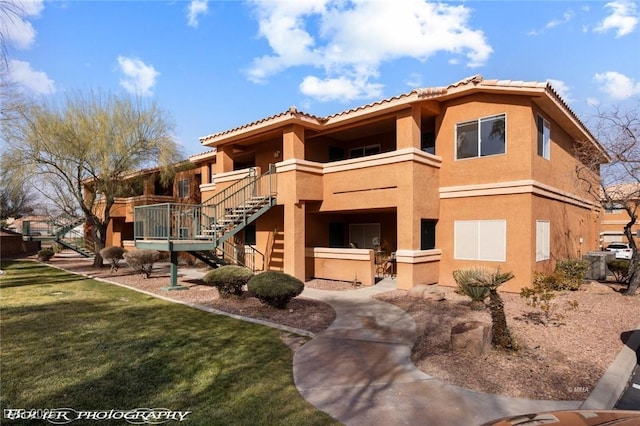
[
  {"x": 427, "y": 292},
  {"x": 471, "y": 337}
]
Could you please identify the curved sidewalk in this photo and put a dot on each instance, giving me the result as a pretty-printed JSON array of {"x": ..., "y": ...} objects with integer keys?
[{"x": 359, "y": 371}]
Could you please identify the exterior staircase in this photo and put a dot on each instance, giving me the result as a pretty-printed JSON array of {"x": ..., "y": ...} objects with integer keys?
[
  {"x": 59, "y": 229},
  {"x": 208, "y": 230}
]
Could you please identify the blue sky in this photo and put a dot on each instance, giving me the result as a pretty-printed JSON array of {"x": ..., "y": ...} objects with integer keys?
[{"x": 215, "y": 65}]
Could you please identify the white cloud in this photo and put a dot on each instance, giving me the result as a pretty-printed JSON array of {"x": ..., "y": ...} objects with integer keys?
[
  {"x": 34, "y": 81},
  {"x": 563, "y": 90},
  {"x": 14, "y": 22},
  {"x": 618, "y": 86},
  {"x": 566, "y": 17},
  {"x": 350, "y": 40},
  {"x": 139, "y": 78},
  {"x": 623, "y": 18},
  {"x": 197, "y": 8},
  {"x": 340, "y": 88}
]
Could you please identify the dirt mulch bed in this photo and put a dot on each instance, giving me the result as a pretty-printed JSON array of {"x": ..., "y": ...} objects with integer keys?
[
  {"x": 562, "y": 360},
  {"x": 302, "y": 313}
]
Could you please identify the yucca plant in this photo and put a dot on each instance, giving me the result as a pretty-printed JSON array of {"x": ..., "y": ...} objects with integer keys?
[
  {"x": 468, "y": 285},
  {"x": 491, "y": 279}
]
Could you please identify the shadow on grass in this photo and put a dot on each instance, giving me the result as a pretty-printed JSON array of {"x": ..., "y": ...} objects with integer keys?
[
  {"x": 111, "y": 348},
  {"x": 26, "y": 273}
]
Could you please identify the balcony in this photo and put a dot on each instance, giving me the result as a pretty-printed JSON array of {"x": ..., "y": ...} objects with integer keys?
[{"x": 372, "y": 182}]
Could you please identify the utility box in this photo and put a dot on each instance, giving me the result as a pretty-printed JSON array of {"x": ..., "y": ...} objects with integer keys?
[{"x": 598, "y": 264}]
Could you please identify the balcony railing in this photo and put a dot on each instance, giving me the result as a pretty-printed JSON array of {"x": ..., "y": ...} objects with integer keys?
[{"x": 225, "y": 213}]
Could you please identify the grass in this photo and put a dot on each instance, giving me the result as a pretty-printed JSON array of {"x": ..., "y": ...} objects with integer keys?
[{"x": 69, "y": 341}]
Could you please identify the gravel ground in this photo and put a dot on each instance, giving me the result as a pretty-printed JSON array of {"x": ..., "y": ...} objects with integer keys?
[{"x": 562, "y": 360}]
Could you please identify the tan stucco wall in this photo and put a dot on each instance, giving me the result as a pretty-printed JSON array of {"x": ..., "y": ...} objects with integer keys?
[
  {"x": 568, "y": 225},
  {"x": 515, "y": 164},
  {"x": 356, "y": 265}
]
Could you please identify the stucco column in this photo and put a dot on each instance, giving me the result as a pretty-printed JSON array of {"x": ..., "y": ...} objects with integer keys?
[
  {"x": 293, "y": 142},
  {"x": 408, "y": 128},
  {"x": 294, "y": 239},
  {"x": 224, "y": 159}
]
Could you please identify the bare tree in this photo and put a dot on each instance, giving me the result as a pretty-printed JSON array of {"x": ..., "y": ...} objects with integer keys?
[
  {"x": 618, "y": 129},
  {"x": 81, "y": 151}
]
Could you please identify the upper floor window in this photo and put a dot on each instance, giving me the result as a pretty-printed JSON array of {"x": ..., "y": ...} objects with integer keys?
[
  {"x": 482, "y": 137},
  {"x": 363, "y": 151},
  {"x": 544, "y": 138},
  {"x": 183, "y": 188}
]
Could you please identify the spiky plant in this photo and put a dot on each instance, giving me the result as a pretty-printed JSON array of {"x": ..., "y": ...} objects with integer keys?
[
  {"x": 490, "y": 279},
  {"x": 468, "y": 285},
  {"x": 493, "y": 279}
]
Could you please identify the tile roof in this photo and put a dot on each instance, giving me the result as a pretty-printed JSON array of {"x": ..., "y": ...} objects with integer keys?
[
  {"x": 291, "y": 112},
  {"x": 420, "y": 94}
]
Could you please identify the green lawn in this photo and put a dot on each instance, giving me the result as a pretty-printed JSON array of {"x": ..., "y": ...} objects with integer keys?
[{"x": 68, "y": 341}]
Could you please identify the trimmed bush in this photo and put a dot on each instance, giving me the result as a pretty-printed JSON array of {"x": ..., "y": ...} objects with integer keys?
[
  {"x": 142, "y": 261},
  {"x": 275, "y": 289},
  {"x": 228, "y": 279},
  {"x": 45, "y": 255},
  {"x": 114, "y": 255},
  {"x": 620, "y": 269}
]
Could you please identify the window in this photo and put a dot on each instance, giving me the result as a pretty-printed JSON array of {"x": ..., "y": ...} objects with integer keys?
[
  {"x": 544, "y": 138},
  {"x": 479, "y": 138},
  {"x": 250, "y": 235},
  {"x": 427, "y": 234},
  {"x": 362, "y": 235},
  {"x": 428, "y": 142},
  {"x": 364, "y": 151},
  {"x": 543, "y": 249},
  {"x": 183, "y": 188},
  {"x": 480, "y": 240}
]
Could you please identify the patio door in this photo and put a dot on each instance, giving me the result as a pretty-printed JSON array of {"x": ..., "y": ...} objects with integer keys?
[{"x": 364, "y": 235}]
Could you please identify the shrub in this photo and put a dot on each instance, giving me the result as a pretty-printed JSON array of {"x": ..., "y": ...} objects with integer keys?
[
  {"x": 620, "y": 269},
  {"x": 569, "y": 274},
  {"x": 541, "y": 296},
  {"x": 228, "y": 279},
  {"x": 45, "y": 255},
  {"x": 467, "y": 281},
  {"x": 275, "y": 289},
  {"x": 114, "y": 255},
  {"x": 142, "y": 261}
]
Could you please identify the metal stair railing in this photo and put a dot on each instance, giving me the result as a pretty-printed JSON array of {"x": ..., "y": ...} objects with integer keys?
[
  {"x": 241, "y": 254},
  {"x": 222, "y": 195},
  {"x": 231, "y": 214},
  {"x": 218, "y": 219}
]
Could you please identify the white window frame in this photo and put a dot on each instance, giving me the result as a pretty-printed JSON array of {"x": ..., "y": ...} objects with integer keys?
[
  {"x": 363, "y": 234},
  {"x": 484, "y": 240},
  {"x": 543, "y": 240},
  {"x": 546, "y": 137},
  {"x": 479, "y": 122}
]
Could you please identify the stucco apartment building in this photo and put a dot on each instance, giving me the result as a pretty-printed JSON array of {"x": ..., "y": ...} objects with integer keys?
[
  {"x": 615, "y": 216},
  {"x": 480, "y": 172}
]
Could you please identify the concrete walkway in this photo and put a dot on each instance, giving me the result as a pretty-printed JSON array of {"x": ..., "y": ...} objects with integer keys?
[{"x": 359, "y": 371}]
